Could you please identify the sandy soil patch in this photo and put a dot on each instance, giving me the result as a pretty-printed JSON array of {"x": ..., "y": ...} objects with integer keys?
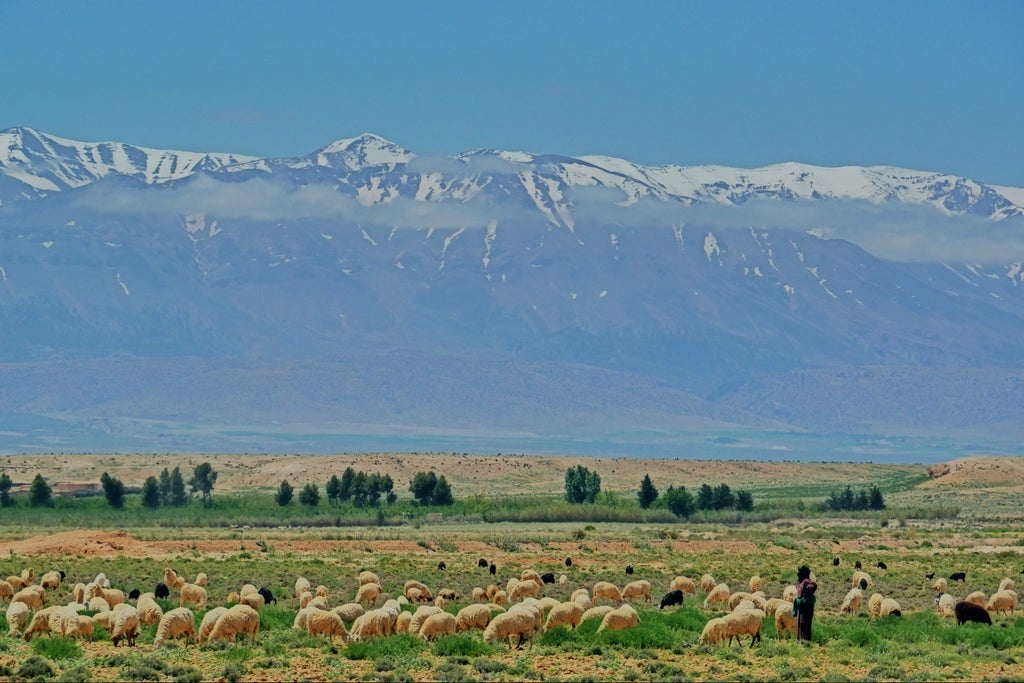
[{"x": 979, "y": 471}]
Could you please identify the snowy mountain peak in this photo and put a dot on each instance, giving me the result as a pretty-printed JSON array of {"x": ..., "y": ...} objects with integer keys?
[{"x": 361, "y": 152}]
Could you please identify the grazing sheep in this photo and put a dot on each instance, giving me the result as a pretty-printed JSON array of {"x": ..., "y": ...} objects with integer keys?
[
  {"x": 858, "y": 577},
  {"x": 51, "y": 580},
  {"x": 547, "y": 604},
  {"x": 424, "y": 592},
  {"x": 719, "y": 594},
  {"x": 607, "y": 591},
  {"x": 530, "y": 575},
  {"x": 637, "y": 589},
  {"x": 596, "y": 612},
  {"x": 191, "y": 593},
  {"x": 548, "y": 577},
  {"x": 772, "y": 604},
  {"x": 875, "y": 604},
  {"x": 881, "y": 565},
  {"x": 715, "y": 631},
  {"x": 253, "y": 600},
  {"x": 473, "y": 616},
  {"x": 321, "y": 592},
  {"x": 376, "y": 623},
  {"x": 302, "y": 585},
  {"x": 63, "y": 621},
  {"x": 482, "y": 563},
  {"x": 755, "y": 583},
  {"x": 736, "y": 598},
  {"x": 565, "y": 614},
  {"x": 124, "y": 625},
  {"x": 174, "y": 623},
  {"x": 268, "y": 595},
  {"x": 1006, "y": 584},
  {"x": 319, "y": 603},
  {"x": 420, "y": 615},
  {"x": 368, "y": 577},
  {"x": 889, "y": 606},
  {"x": 368, "y": 593},
  {"x": 30, "y": 597},
  {"x": 629, "y": 570},
  {"x": 239, "y": 619},
  {"x": 835, "y": 561},
  {"x": 209, "y": 621},
  {"x": 583, "y": 598},
  {"x": 402, "y": 622},
  {"x": 946, "y": 605},
  {"x": 98, "y": 604},
  {"x": 327, "y": 624},
  {"x": 447, "y": 594},
  {"x": 568, "y": 562},
  {"x": 6, "y": 589},
  {"x": 479, "y": 594},
  {"x": 440, "y": 624},
  {"x": 523, "y": 589},
  {"x": 958, "y": 576},
  {"x": 940, "y": 585},
  {"x": 930, "y": 576},
  {"x": 684, "y": 584},
  {"x": 977, "y": 597},
  {"x": 233, "y": 597},
  {"x": 856, "y": 565},
  {"x": 968, "y": 611},
  {"x": 619, "y": 619},
  {"x": 673, "y": 597},
  {"x": 852, "y": 602},
  {"x": 1002, "y": 601},
  {"x": 707, "y": 583},
  {"x": 784, "y": 619},
  {"x": 161, "y": 591},
  {"x": 299, "y": 623},
  {"x": 201, "y": 579},
  {"x": 304, "y": 599},
  {"x": 516, "y": 623},
  {"x": 171, "y": 578},
  {"x": 744, "y": 623},
  {"x": 113, "y": 596},
  {"x": 247, "y": 589},
  {"x": 500, "y": 598},
  {"x": 134, "y": 594},
  {"x": 40, "y": 623},
  {"x": 350, "y": 611},
  {"x": 744, "y": 605},
  {"x": 17, "y": 618},
  {"x": 789, "y": 593},
  {"x": 441, "y": 566}
]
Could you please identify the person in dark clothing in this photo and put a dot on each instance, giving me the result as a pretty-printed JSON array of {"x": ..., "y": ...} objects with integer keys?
[{"x": 803, "y": 606}]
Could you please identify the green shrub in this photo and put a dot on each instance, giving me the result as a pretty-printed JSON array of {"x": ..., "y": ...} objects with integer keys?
[
  {"x": 57, "y": 648},
  {"x": 401, "y": 647},
  {"x": 450, "y": 646},
  {"x": 34, "y": 668}
]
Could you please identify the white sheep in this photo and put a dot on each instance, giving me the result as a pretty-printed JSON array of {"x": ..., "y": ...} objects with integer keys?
[
  {"x": 715, "y": 631},
  {"x": 30, "y": 597},
  {"x": 853, "y": 601},
  {"x": 319, "y": 602},
  {"x": 302, "y": 585},
  {"x": 424, "y": 593},
  {"x": 113, "y": 596},
  {"x": 772, "y": 604},
  {"x": 515, "y": 623},
  {"x": 375, "y": 623},
  {"x": 789, "y": 593},
  {"x": 565, "y": 614},
  {"x": 305, "y": 597},
  {"x": 479, "y": 594},
  {"x": 171, "y": 579},
  {"x": 744, "y": 605},
  {"x": 473, "y": 616},
  {"x": 420, "y": 615},
  {"x": 299, "y": 623},
  {"x": 51, "y": 581},
  {"x": 102, "y": 580},
  {"x": 253, "y": 600},
  {"x": 744, "y": 623},
  {"x": 707, "y": 583},
  {"x": 1002, "y": 601},
  {"x": 548, "y": 603},
  {"x": 124, "y": 625},
  {"x": 859, "y": 576},
  {"x": 684, "y": 584},
  {"x": 946, "y": 605},
  {"x": 718, "y": 594},
  {"x": 201, "y": 579},
  {"x": 607, "y": 591},
  {"x": 98, "y": 604},
  {"x": 17, "y": 618},
  {"x": 524, "y": 589},
  {"x": 321, "y": 592},
  {"x": 247, "y": 589},
  {"x": 441, "y": 624},
  {"x": 6, "y": 590},
  {"x": 368, "y": 593},
  {"x": 939, "y": 585},
  {"x": 875, "y": 604},
  {"x": 755, "y": 583},
  {"x": 596, "y": 612},
  {"x": 368, "y": 577},
  {"x": 320, "y": 623},
  {"x": 530, "y": 575},
  {"x": 889, "y": 606},
  {"x": 619, "y": 619},
  {"x": 1005, "y": 585},
  {"x": 239, "y": 619},
  {"x": 738, "y": 597},
  {"x": 784, "y": 619},
  {"x": 174, "y": 623},
  {"x": 209, "y": 621},
  {"x": 637, "y": 589},
  {"x": 61, "y": 615},
  {"x": 40, "y": 623},
  {"x": 191, "y": 593},
  {"x": 500, "y": 598},
  {"x": 349, "y": 612},
  {"x": 403, "y": 621},
  {"x": 977, "y": 597}
]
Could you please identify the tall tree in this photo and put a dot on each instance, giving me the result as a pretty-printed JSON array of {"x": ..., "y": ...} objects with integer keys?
[
  {"x": 875, "y": 500},
  {"x": 310, "y": 495},
  {"x": 113, "y": 489},
  {"x": 178, "y": 495},
  {"x": 345, "y": 492},
  {"x": 442, "y": 493},
  {"x": 724, "y": 498},
  {"x": 202, "y": 480},
  {"x": 284, "y": 493},
  {"x": 39, "y": 493},
  {"x": 744, "y": 501},
  {"x": 151, "y": 493},
  {"x": 422, "y": 487},
  {"x": 648, "y": 492},
  {"x": 705, "y": 497},
  {"x": 333, "y": 489},
  {"x": 581, "y": 485},
  {"x": 5, "y": 490},
  {"x": 360, "y": 489},
  {"x": 165, "y": 487},
  {"x": 679, "y": 501}
]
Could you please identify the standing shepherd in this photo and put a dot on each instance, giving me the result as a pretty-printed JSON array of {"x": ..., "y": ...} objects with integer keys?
[{"x": 803, "y": 606}]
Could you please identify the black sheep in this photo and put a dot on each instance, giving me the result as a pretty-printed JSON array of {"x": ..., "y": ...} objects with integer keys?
[
  {"x": 881, "y": 565},
  {"x": 268, "y": 596},
  {"x": 863, "y": 584},
  {"x": 493, "y": 569},
  {"x": 958, "y": 576},
  {"x": 930, "y": 576},
  {"x": 629, "y": 570},
  {"x": 441, "y": 566},
  {"x": 568, "y": 562},
  {"x": 161, "y": 590},
  {"x": 134, "y": 594},
  {"x": 835, "y": 561},
  {"x": 672, "y": 598},
  {"x": 856, "y": 565},
  {"x": 968, "y": 611},
  {"x": 548, "y": 578},
  {"x": 482, "y": 563}
]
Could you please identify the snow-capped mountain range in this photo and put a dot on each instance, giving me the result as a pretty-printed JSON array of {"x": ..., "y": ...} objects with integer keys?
[{"x": 496, "y": 292}]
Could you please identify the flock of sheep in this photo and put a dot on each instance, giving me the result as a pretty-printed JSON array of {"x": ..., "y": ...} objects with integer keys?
[{"x": 512, "y": 614}]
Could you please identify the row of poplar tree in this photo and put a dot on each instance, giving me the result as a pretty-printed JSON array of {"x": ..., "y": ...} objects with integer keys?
[{"x": 364, "y": 489}]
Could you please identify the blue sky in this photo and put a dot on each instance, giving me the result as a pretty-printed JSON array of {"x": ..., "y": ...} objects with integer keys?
[{"x": 926, "y": 85}]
